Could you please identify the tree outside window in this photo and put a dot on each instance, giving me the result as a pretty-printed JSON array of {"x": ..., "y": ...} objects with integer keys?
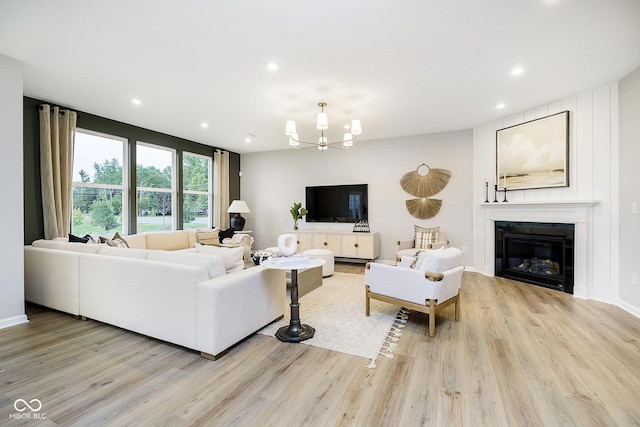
[
  {"x": 98, "y": 184},
  {"x": 155, "y": 187},
  {"x": 196, "y": 189}
]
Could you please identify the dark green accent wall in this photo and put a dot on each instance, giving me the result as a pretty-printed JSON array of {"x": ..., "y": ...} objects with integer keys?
[{"x": 33, "y": 221}]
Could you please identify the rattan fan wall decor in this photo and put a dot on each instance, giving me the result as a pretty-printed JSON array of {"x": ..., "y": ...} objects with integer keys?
[{"x": 424, "y": 186}]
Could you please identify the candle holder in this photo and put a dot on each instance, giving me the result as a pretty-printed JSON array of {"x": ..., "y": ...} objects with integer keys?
[
  {"x": 486, "y": 192},
  {"x": 505, "y": 195},
  {"x": 495, "y": 193}
]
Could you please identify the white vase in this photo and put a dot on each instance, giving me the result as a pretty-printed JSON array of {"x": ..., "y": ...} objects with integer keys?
[{"x": 288, "y": 244}]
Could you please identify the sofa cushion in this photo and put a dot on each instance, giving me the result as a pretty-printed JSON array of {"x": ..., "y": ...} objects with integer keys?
[
  {"x": 123, "y": 252},
  {"x": 66, "y": 246},
  {"x": 441, "y": 260},
  {"x": 233, "y": 257},
  {"x": 423, "y": 237},
  {"x": 167, "y": 240},
  {"x": 136, "y": 241},
  {"x": 213, "y": 263}
]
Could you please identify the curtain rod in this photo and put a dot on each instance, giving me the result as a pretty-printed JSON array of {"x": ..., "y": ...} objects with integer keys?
[{"x": 41, "y": 107}]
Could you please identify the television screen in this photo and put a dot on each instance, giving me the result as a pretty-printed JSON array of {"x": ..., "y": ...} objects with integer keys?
[{"x": 337, "y": 203}]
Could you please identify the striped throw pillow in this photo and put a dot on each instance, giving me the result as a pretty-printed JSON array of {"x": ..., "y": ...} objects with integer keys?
[{"x": 423, "y": 237}]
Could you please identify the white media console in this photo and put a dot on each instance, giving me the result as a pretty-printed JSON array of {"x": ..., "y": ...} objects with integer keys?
[{"x": 364, "y": 246}]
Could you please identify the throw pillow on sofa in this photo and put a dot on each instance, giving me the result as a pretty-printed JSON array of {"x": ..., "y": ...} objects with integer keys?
[
  {"x": 226, "y": 234},
  {"x": 117, "y": 241},
  {"x": 233, "y": 257},
  {"x": 208, "y": 237},
  {"x": 86, "y": 239}
]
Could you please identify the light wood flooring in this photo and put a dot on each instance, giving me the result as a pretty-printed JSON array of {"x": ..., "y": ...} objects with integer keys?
[{"x": 520, "y": 356}]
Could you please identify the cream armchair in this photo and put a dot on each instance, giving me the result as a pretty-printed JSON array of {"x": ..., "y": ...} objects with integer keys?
[
  {"x": 428, "y": 287},
  {"x": 423, "y": 238}
]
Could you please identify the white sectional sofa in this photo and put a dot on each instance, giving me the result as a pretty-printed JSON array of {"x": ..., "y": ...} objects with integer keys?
[{"x": 160, "y": 287}]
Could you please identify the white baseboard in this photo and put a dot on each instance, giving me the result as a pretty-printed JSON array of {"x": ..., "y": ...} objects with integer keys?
[
  {"x": 629, "y": 308},
  {"x": 12, "y": 321}
]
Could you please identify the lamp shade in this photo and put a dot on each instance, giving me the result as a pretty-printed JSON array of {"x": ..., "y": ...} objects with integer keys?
[
  {"x": 347, "y": 140},
  {"x": 290, "y": 128},
  {"x": 238, "y": 206},
  {"x": 356, "y": 127},
  {"x": 322, "y": 122}
]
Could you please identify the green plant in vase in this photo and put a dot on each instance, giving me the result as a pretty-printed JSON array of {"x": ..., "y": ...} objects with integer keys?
[{"x": 297, "y": 212}]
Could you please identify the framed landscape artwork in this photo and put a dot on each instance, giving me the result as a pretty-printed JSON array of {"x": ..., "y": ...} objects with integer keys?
[{"x": 534, "y": 154}]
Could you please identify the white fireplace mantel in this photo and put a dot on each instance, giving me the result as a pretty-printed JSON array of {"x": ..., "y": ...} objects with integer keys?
[
  {"x": 545, "y": 204},
  {"x": 577, "y": 212}
]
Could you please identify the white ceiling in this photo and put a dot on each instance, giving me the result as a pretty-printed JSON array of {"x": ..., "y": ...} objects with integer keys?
[{"x": 403, "y": 67}]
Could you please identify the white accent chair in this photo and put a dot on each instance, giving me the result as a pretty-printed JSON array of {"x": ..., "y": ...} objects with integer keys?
[
  {"x": 431, "y": 285},
  {"x": 423, "y": 238}
]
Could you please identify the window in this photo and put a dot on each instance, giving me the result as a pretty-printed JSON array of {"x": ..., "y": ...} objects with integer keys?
[
  {"x": 98, "y": 184},
  {"x": 196, "y": 189},
  {"x": 155, "y": 187}
]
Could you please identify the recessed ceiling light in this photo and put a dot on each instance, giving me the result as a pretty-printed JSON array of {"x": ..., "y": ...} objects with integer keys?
[
  {"x": 204, "y": 125},
  {"x": 272, "y": 66},
  {"x": 247, "y": 140},
  {"x": 136, "y": 101},
  {"x": 500, "y": 106},
  {"x": 517, "y": 70}
]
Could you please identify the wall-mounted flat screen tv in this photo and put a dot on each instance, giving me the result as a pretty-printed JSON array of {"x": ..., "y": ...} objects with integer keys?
[{"x": 337, "y": 203}]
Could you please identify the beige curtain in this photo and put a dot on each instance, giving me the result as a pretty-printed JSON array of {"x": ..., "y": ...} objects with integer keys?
[
  {"x": 221, "y": 189},
  {"x": 57, "y": 132}
]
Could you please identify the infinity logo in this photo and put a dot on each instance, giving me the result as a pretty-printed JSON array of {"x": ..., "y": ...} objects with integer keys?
[{"x": 21, "y": 405}]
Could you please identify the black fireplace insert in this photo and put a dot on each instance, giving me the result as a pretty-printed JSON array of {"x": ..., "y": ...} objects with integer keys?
[{"x": 535, "y": 252}]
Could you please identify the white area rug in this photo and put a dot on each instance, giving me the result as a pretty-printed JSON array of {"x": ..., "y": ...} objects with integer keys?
[{"x": 337, "y": 312}]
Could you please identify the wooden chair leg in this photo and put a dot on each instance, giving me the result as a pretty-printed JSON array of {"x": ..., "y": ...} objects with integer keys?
[
  {"x": 367, "y": 301},
  {"x": 432, "y": 318},
  {"x": 457, "y": 309}
]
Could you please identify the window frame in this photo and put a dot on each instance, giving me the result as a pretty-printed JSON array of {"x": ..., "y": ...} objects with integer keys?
[
  {"x": 208, "y": 193},
  {"x": 124, "y": 187},
  {"x": 174, "y": 177}
]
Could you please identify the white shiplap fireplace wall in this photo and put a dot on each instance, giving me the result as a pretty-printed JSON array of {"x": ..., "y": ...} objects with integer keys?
[{"x": 590, "y": 202}]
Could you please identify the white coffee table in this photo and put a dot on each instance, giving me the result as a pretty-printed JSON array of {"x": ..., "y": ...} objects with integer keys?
[{"x": 296, "y": 331}]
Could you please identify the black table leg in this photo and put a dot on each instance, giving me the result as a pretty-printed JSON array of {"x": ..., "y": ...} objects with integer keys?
[{"x": 296, "y": 331}]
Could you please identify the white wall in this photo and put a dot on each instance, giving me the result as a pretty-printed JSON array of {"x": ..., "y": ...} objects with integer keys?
[
  {"x": 272, "y": 181},
  {"x": 629, "y": 177},
  {"x": 593, "y": 160},
  {"x": 11, "y": 262}
]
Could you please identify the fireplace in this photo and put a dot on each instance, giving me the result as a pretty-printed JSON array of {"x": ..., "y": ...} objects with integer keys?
[{"x": 535, "y": 252}]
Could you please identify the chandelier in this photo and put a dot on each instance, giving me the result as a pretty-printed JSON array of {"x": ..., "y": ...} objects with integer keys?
[{"x": 322, "y": 123}]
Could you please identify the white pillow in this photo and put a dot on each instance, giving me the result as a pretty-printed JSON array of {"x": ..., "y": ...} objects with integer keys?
[
  {"x": 441, "y": 260},
  {"x": 213, "y": 263},
  {"x": 233, "y": 257}
]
